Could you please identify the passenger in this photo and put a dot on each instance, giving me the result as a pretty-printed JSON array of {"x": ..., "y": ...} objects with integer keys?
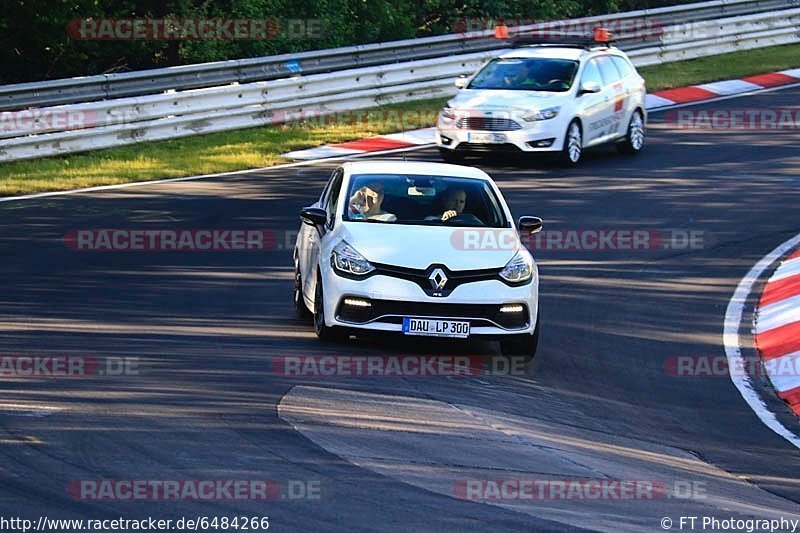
[{"x": 366, "y": 204}]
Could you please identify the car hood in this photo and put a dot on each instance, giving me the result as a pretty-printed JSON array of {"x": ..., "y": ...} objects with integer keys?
[
  {"x": 421, "y": 246},
  {"x": 501, "y": 99}
]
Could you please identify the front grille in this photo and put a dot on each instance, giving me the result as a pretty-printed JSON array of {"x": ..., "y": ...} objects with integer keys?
[
  {"x": 422, "y": 277},
  {"x": 487, "y": 124},
  {"x": 392, "y": 312},
  {"x": 488, "y": 148}
]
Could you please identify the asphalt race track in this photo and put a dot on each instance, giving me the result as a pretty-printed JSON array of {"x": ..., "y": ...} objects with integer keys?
[{"x": 386, "y": 452}]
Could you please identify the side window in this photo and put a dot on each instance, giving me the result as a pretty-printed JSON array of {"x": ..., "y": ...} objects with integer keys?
[
  {"x": 608, "y": 70},
  {"x": 333, "y": 194},
  {"x": 323, "y": 198},
  {"x": 622, "y": 65},
  {"x": 592, "y": 73}
]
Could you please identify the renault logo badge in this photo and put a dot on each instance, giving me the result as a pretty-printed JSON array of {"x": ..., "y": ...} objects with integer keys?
[{"x": 438, "y": 279}]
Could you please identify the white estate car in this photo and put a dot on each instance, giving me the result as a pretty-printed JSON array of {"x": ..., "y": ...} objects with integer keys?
[
  {"x": 546, "y": 98},
  {"x": 417, "y": 248}
]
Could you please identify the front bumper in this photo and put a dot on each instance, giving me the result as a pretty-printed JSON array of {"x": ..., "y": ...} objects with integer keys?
[
  {"x": 541, "y": 136},
  {"x": 391, "y": 299}
]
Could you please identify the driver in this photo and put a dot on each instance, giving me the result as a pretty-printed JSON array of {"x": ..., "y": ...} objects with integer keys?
[
  {"x": 454, "y": 202},
  {"x": 527, "y": 75},
  {"x": 366, "y": 203},
  {"x": 516, "y": 76}
]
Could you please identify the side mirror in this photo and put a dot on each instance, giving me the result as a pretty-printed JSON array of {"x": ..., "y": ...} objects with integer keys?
[
  {"x": 461, "y": 81},
  {"x": 314, "y": 216},
  {"x": 589, "y": 87},
  {"x": 530, "y": 224}
]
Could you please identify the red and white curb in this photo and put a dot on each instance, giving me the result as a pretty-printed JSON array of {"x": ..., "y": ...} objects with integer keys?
[
  {"x": 734, "y": 337},
  {"x": 372, "y": 144},
  {"x": 708, "y": 91},
  {"x": 653, "y": 102},
  {"x": 777, "y": 330}
]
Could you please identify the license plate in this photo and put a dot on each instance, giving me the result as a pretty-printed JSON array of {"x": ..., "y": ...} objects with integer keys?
[
  {"x": 428, "y": 327},
  {"x": 486, "y": 137}
]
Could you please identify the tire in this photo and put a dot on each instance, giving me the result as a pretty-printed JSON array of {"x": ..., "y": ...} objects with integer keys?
[
  {"x": 525, "y": 345},
  {"x": 323, "y": 331},
  {"x": 572, "y": 150},
  {"x": 451, "y": 156},
  {"x": 300, "y": 309},
  {"x": 634, "y": 138}
]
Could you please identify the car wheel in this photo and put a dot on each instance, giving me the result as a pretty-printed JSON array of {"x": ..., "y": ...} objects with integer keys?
[
  {"x": 323, "y": 331},
  {"x": 573, "y": 144},
  {"x": 525, "y": 345},
  {"x": 300, "y": 309},
  {"x": 451, "y": 156},
  {"x": 634, "y": 139}
]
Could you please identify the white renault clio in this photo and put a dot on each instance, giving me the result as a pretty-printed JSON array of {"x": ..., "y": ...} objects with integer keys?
[
  {"x": 546, "y": 98},
  {"x": 417, "y": 248}
]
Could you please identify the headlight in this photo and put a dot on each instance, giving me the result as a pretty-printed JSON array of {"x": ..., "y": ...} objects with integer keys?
[
  {"x": 519, "y": 269},
  {"x": 542, "y": 114},
  {"x": 448, "y": 113},
  {"x": 347, "y": 260}
]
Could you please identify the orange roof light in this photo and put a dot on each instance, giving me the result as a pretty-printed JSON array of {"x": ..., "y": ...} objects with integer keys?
[
  {"x": 501, "y": 32},
  {"x": 602, "y": 35}
]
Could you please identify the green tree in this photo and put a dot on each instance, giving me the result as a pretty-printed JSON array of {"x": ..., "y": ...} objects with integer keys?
[{"x": 35, "y": 44}]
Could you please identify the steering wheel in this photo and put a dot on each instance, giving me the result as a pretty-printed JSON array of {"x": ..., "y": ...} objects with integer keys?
[
  {"x": 558, "y": 83},
  {"x": 532, "y": 85}
]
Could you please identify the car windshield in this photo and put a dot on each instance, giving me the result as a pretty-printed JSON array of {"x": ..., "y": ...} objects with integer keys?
[
  {"x": 526, "y": 74},
  {"x": 423, "y": 200}
]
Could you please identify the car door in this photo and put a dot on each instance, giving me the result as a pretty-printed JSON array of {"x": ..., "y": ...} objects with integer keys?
[
  {"x": 313, "y": 239},
  {"x": 595, "y": 107},
  {"x": 633, "y": 92},
  {"x": 614, "y": 90}
]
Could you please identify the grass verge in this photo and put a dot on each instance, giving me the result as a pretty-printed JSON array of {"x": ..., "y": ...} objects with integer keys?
[{"x": 263, "y": 146}]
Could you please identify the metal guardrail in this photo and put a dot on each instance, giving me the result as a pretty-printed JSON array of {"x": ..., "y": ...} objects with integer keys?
[
  {"x": 110, "y": 86},
  {"x": 155, "y": 117}
]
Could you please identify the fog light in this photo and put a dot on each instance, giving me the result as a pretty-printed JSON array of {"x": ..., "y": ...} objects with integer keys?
[
  {"x": 446, "y": 140},
  {"x": 544, "y": 143},
  {"x": 357, "y": 302},
  {"x": 512, "y": 308}
]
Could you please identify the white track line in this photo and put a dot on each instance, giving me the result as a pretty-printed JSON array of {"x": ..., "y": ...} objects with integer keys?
[{"x": 733, "y": 321}]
